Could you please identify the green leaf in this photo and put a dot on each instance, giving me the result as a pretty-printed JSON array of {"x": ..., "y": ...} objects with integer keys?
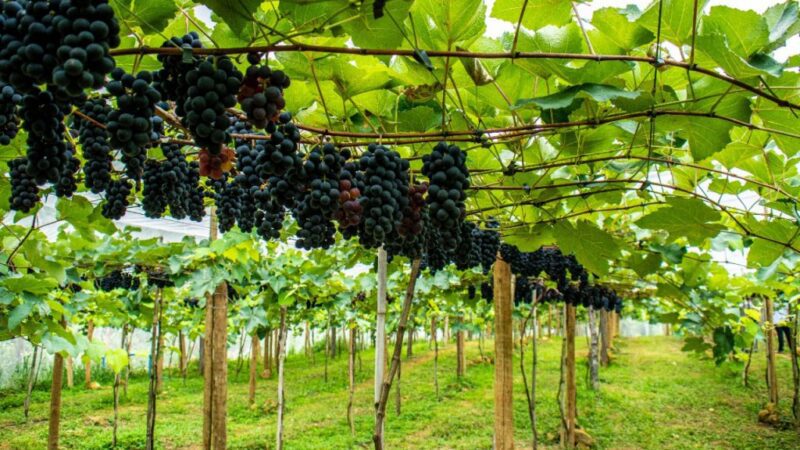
[
  {"x": 238, "y": 14},
  {"x": 151, "y": 16},
  {"x": 117, "y": 359},
  {"x": 367, "y": 31},
  {"x": 676, "y": 19},
  {"x": 782, "y": 21},
  {"x": 746, "y": 30},
  {"x": 684, "y": 217},
  {"x": 565, "y": 98},
  {"x": 715, "y": 46},
  {"x": 538, "y": 13},
  {"x": 620, "y": 28},
  {"x": 592, "y": 246},
  {"x": 19, "y": 314},
  {"x": 695, "y": 344},
  {"x": 443, "y": 24}
]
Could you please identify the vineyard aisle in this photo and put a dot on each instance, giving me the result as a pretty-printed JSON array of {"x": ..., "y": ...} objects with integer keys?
[{"x": 652, "y": 396}]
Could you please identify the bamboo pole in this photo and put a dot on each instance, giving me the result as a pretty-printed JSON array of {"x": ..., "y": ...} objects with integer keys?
[
  {"x": 504, "y": 353},
  {"x": 267, "y": 373},
  {"x": 461, "y": 359},
  {"x": 605, "y": 338},
  {"x": 87, "y": 365}
]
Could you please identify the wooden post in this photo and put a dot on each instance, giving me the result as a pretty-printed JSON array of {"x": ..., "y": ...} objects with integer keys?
[
  {"x": 280, "y": 358},
  {"x": 254, "y": 354},
  {"x": 504, "y": 353},
  {"x": 55, "y": 402},
  {"x": 605, "y": 339},
  {"x": 182, "y": 362},
  {"x": 155, "y": 354},
  {"x": 772, "y": 378},
  {"x": 87, "y": 365},
  {"x": 70, "y": 373},
  {"x": 351, "y": 375},
  {"x": 267, "y": 373},
  {"x": 160, "y": 362},
  {"x": 380, "y": 337},
  {"x": 446, "y": 337},
  {"x": 571, "y": 389},
  {"x": 461, "y": 363},
  {"x": 594, "y": 351},
  {"x": 215, "y": 363}
]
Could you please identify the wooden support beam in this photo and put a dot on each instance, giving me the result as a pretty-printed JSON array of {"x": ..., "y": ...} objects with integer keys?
[
  {"x": 571, "y": 389},
  {"x": 772, "y": 378},
  {"x": 504, "y": 353}
]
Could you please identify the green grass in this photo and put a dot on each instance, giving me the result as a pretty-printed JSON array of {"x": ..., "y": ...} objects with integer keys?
[{"x": 652, "y": 397}]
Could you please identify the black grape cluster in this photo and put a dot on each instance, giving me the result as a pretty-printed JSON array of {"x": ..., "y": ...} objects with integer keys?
[
  {"x": 118, "y": 280},
  {"x": 227, "y": 197},
  {"x": 261, "y": 92},
  {"x": 9, "y": 121},
  {"x": 560, "y": 268},
  {"x": 154, "y": 198},
  {"x": 269, "y": 216},
  {"x": 87, "y": 30},
  {"x": 177, "y": 176},
  {"x": 95, "y": 145},
  {"x": 316, "y": 206},
  {"x": 170, "y": 80},
  {"x": 436, "y": 256},
  {"x": 130, "y": 126},
  {"x": 279, "y": 153},
  {"x": 412, "y": 228},
  {"x": 60, "y": 42},
  {"x": 384, "y": 194},
  {"x": 24, "y": 191},
  {"x": 349, "y": 213},
  {"x": 523, "y": 291},
  {"x": 48, "y": 154},
  {"x": 487, "y": 292},
  {"x": 67, "y": 184},
  {"x": 116, "y": 203},
  {"x": 446, "y": 169},
  {"x": 467, "y": 255},
  {"x": 213, "y": 86},
  {"x": 377, "y": 8},
  {"x": 487, "y": 241}
]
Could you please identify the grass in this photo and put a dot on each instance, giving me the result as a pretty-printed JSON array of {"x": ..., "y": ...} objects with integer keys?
[{"x": 652, "y": 397}]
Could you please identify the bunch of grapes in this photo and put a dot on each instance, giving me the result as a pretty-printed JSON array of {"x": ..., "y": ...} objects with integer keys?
[
  {"x": 213, "y": 86},
  {"x": 510, "y": 254},
  {"x": 24, "y": 191},
  {"x": 247, "y": 152},
  {"x": 94, "y": 143},
  {"x": 67, "y": 185},
  {"x": 193, "y": 201},
  {"x": 118, "y": 280},
  {"x": 116, "y": 203},
  {"x": 487, "y": 292},
  {"x": 170, "y": 80},
  {"x": 130, "y": 126},
  {"x": 488, "y": 242},
  {"x": 87, "y": 30},
  {"x": 227, "y": 197},
  {"x": 467, "y": 255},
  {"x": 522, "y": 291},
  {"x": 349, "y": 213},
  {"x": 279, "y": 153},
  {"x": 316, "y": 206},
  {"x": 436, "y": 256},
  {"x": 261, "y": 93},
  {"x": 30, "y": 42},
  {"x": 384, "y": 194},
  {"x": 411, "y": 230},
  {"x": 9, "y": 122},
  {"x": 446, "y": 169},
  {"x": 48, "y": 155},
  {"x": 182, "y": 180},
  {"x": 269, "y": 216},
  {"x": 154, "y": 198}
]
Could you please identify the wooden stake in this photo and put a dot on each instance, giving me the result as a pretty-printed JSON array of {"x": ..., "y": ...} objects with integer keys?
[
  {"x": 605, "y": 338},
  {"x": 380, "y": 341},
  {"x": 281, "y": 357},
  {"x": 55, "y": 402},
  {"x": 461, "y": 359},
  {"x": 267, "y": 373},
  {"x": 155, "y": 354},
  {"x": 254, "y": 354},
  {"x": 571, "y": 389},
  {"x": 772, "y": 377},
  {"x": 504, "y": 353},
  {"x": 219, "y": 410},
  {"x": 70, "y": 373},
  {"x": 594, "y": 351},
  {"x": 351, "y": 376},
  {"x": 182, "y": 361},
  {"x": 87, "y": 365}
]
